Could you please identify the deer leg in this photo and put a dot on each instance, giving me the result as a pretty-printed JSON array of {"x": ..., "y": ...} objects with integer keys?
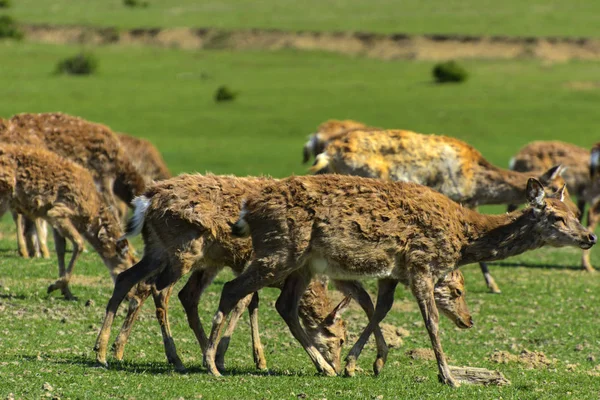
[
  {"x": 385, "y": 299},
  {"x": 236, "y": 313},
  {"x": 161, "y": 301},
  {"x": 31, "y": 237},
  {"x": 123, "y": 284},
  {"x": 21, "y": 244},
  {"x": 135, "y": 305},
  {"x": 593, "y": 218},
  {"x": 258, "y": 351},
  {"x": 260, "y": 273},
  {"x": 65, "y": 229},
  {"x": 41, "y": 228},
  {"x": 190, "y": 297},
  {"x": 489, "y": 280},
  {"x": 287, "y": 306},
  {"x": 422, "y": 288},
  {"x": 60, "y": 245},
  {"x": 356, "y": 290}
]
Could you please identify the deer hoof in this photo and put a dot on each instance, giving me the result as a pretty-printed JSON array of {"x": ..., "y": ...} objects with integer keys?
[
  {"x": 350, "y": 368},
  {"x": 378, "y": 366},
  {"x": 450, "y": 381}
]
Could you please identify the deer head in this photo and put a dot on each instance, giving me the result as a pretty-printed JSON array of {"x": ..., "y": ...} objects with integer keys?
[
  {"x": 556, "y": 223},
  {"x": 450, "y": 299},
  {"x": 329, "y": 335},
  {"x": 116, "y": 254}
]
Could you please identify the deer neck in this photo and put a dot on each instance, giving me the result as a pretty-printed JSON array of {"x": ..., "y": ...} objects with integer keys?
[
  {"x": 495, "y": 237},
  {"x": 499, "y": 186}
]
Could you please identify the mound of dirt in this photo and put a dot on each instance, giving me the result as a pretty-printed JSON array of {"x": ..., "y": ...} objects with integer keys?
[
  {"x": 531, "y": 359},
  {"x": 421, "y": 354},
  {"x": 394, "y": 335}
]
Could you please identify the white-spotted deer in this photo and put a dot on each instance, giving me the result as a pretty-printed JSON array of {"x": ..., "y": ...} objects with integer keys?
[
  {"x": 580, "y": 175},
  {"x": 357, "y": 228},
  {"x": 42, "y": 185},
  {"x": 448, "y": 165},
  {"x": 185, "y": 222}
]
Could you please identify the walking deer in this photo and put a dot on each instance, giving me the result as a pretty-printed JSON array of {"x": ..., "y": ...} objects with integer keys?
[
  {"x": 42, "y": 185},
  {"x": 326, "y": 132},
  {"x": 357, "y": 228},
  {"x": 580, "y": 176},
  {"x": 185, "y": 222},
  {"x": 93, "y": 146},
  {"x": 448, "y": 165}
]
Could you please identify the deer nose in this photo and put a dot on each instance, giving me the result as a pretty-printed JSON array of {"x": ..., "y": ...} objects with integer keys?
[
  {"x": 471, "y": 323},
  {"x": 593, "y": 238}
]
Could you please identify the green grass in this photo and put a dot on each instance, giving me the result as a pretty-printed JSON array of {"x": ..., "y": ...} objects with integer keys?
[
  {"x": 166, "y": 96},
  {"x": 477, "y": 17}
]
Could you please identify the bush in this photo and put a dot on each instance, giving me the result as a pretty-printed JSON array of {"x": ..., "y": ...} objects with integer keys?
[
  {"x": 449, "y": 71},
  {"x": 223, "y": 93},
  {"x": 8, "y": 28},
  {"x": 80, "y": 64},
  {"x": 135, "y": 3},
  {"x": 5, "y": 3}
]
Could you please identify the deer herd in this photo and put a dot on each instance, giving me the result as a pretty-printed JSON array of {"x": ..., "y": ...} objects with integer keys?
[{"x": 391, "y": 205}]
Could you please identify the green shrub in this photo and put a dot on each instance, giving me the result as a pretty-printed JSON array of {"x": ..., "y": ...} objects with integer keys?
[
  {"x": 135, "y": 3},
  {"x": 5, "y": 3},
  {"x": 80, "y": 64},
  {"x": 449, "y": 71},
  {"x": 223, "y": 93},
  {"x": 8, "y": 28}
]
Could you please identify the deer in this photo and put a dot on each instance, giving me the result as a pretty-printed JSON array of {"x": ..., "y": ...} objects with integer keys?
[
  {"x": 91, "y": 145},
  {"x": 448, "y": 165},
  {"x": 326, "y": 132},
  {"x": 581, "y": 166},
  {"x": 185, "y": 223},
  {"x": 40, "y": 184},
  {"x": 349, "y": 227},
  {"x": 146, "y": 159}
]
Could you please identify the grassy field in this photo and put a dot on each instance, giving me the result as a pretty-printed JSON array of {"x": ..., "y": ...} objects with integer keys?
[
  {"x": 477, "y": 17},
  {"x": 166, "y": 96}
]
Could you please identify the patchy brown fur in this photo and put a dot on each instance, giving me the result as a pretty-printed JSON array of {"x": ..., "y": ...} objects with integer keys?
[
  {"x": 327, "y": 132},
  {"x": 539, "y": 155},
  {"x": 145, "y": 157},
  {"x": 187, "y": 227},
  {"x": 42, "y": 185},
  {"x": 355, "y": 228}
]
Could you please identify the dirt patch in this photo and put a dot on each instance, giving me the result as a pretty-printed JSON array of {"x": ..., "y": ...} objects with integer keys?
[
  {"x": 394, "y": 335},
  {"x": 531, "y": 359},
  {"x": 387, "y": 47},
  {"x": 583, "y": 85},
  {"x": 421, "y": 354}
]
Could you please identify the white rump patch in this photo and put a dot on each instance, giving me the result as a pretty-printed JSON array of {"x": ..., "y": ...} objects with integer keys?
[
  {"x": 136, "y": 223},
  {"x": 511, "y": 164}
]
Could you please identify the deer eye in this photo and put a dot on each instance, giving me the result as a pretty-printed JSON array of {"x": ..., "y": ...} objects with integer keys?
[
  {"x": 458, "y": 292},
  {"x": 561, "y": 219}
]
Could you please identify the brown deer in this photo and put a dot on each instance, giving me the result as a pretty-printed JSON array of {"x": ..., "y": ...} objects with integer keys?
[
  {"x": 326, "y": 132},
  {"x": 185, "y": 222},
  {"x": 357, "y": 228},
  {"x": 448, "y": 165},
  {"x": 42, "y": 185},
  {"x": 580, "y": 176},
  {"x": 93, "y": 146}
]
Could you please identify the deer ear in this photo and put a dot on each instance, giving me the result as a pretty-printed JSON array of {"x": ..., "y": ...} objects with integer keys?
[
  {"x": 102, "y": 234},
  {"x": 535, "y": 193},
  {"x": 122, "y": 246},
  {"x": 561, "y": 192},
  {"x": 552, "y": 173},
  {"x": 336, "y": 313}
]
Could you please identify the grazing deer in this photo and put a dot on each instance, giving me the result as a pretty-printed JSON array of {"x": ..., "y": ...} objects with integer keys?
[
  {"x": 326, "y": 132},
  {"x": 448, "y": 165},
  {"x": 357, "y": 228},
  {"x": 580, "y": 175},
  {"x": 93, "y": 146},
  {"x": 185, "y": 222},
  {"x": 42, "y": 185}
]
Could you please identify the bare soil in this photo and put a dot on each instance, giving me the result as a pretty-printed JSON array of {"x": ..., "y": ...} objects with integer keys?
[{"x": 381, "y": 46}]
